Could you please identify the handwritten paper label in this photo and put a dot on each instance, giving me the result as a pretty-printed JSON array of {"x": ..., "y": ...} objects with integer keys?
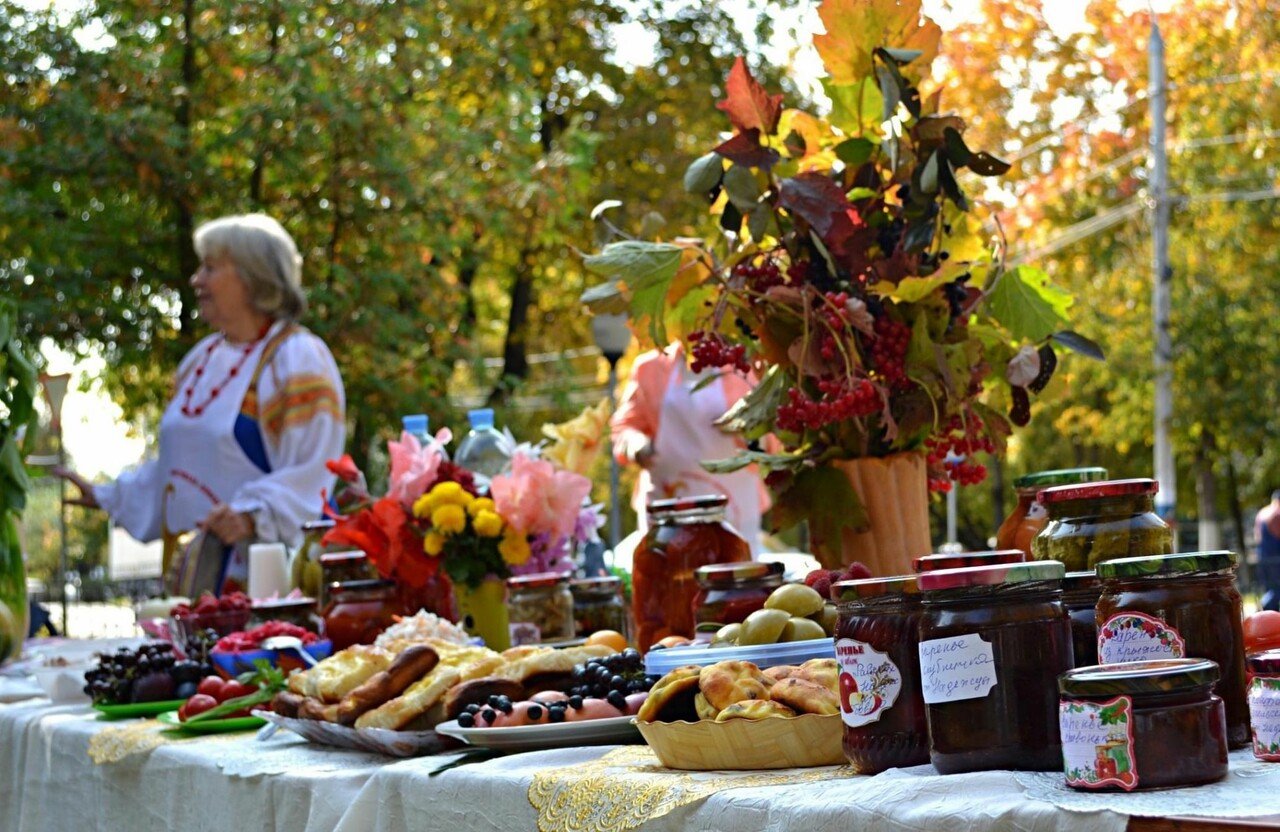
[
  {"x": 1097, "y": 743},
  {"x": 1138, "y": 637},
  {"x": 1264, "y": 716},
  {"x": 869, "y": 682},
  {"x": 956, "y": 668}
]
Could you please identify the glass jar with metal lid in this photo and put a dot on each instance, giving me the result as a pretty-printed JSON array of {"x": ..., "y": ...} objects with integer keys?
[
  {"x": 1142, "y": 725},
  {"x": 598, "y": 605},
  {"x": 1264, "y": 703},
  {"x": 729, "y": 592},
  {"x": 1080, "y": 591},
  {"x": 684, "y": 533},
  {"x": 1173, "y": 607},
  {"x": 1028, "y": 516},
  {"x": 993, "y": 640},
  {"x": 305, "y": 573},
  {"x": 343, "y": 566},
  {"x": 540, "y": 607},
  {"x": 1100, "y": 521},
  {"x": 877, "y": 649},
  {"x": 961, "y": 560},
  {"x": 359, "y": 611}
]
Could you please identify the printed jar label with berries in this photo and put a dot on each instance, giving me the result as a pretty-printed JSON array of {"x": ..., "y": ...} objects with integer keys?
[
  {"x": 1264, "y": 717},
  {"x": 869, "y": 682},
  {"x": 1097, "y": 743},
  {"x": 1138, "y": 637}
]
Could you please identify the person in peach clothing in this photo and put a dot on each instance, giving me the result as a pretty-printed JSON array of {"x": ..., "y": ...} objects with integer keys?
[{"x": 665, "y": 424}]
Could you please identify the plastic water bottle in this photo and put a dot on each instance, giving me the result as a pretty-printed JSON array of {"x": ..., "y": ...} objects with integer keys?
[
  {"x": 418, "y": 426},
  {"x": 481, "y": 450}
]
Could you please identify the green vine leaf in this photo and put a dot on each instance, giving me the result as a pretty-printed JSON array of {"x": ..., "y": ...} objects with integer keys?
[
  {"x": 753, "y": 415},
  {"x": 824, "y": 497},
  {"x": 644, "y": 270},
  {"x": 1029, "y": 304}
]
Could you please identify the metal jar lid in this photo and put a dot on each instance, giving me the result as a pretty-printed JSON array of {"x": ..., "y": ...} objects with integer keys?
[
  {"x": 1097, "y": 490},
  {"x": 598, "y": 585},
  {"x": 1000, "y": 574},
  {"x": 724, "y": 574},
  {"x": 1168, "y": 566},
  {"x": 348, "y": 556},
  {"x": 537, "y": 580},
  {"x": 866, "y": 589},
  {"x": 1266, "y": 663},
  {"x": 1088, "y": 579},
  {"x": 1160, "y": 676},
  {"x": 363, "y": 585},
  {"x": 676, "y": 505},
  {"x": 1060, "y": 476},
  {"x": 962, "y": 560}
]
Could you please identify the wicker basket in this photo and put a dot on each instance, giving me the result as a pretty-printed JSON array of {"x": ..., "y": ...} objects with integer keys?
[{"x": 743, "y": 744}]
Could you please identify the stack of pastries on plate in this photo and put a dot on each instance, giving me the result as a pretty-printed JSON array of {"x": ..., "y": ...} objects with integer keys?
[
  {"x": 409, "y": 680},
  {"x": 740, "y": 690}
]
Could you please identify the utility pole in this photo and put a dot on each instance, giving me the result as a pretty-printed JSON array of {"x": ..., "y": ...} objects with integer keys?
[{"x": 1166, "y": 474}]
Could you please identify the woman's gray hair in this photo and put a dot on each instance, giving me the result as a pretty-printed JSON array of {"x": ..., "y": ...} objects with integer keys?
[{"x": 265, "y": 256}]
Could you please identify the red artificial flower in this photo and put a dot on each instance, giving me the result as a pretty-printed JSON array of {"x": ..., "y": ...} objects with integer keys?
[
  {"x": 345, "y": 468},
  {"x": 385, "y": 532}
]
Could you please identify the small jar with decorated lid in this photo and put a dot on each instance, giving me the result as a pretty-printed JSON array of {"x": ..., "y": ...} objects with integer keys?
[
  {"x": 729, "y": 592},
  {"x": 1028, "y": 516},
  {"x": 1098, "y": 521},
  {"x": 961, "y": 560}
]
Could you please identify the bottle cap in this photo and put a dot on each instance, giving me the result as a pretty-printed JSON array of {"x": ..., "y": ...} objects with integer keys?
[
  {"x": 481, "y": 417},
  {"x": 416, "y": 424}
]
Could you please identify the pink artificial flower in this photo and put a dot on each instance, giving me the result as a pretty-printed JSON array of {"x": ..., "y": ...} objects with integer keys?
[
  {"x": 537, "y": 498},
  {"x": 413, "y": 466}
]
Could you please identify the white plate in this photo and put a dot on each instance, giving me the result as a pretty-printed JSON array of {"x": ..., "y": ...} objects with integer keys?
[{"x": 613, "y": 729}]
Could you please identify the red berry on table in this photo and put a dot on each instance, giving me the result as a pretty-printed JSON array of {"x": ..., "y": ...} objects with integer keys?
[
  {"x": 233, "y": 689},
  {"x": 197, "y": 704},
  {"x": 211, "y": 686}
]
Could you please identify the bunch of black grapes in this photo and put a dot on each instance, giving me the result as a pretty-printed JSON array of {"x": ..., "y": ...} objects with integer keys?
[
  {"x": 612, "y": 677},
  {"x": 149, "y": 673}
]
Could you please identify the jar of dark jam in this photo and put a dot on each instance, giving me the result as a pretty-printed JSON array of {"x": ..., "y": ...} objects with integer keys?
[
  {"x": 1080, "y": 591},
  {"x": 1100, "y": 521},
  {"x": 729, "y": 592},
  {"x": 993, "y": 640},
  {"x": 961, "y": 560},
  {"x": 684, "y": 533},
  {"x": 1142, "y": 725},
  {"x": 540, "y": 608},
  {"x": 1173, "y": 607},
  {"x": 359, "y": 611},
  {"x": 598, "y": 605},
  {"x": 343, "y": 566},
  {"x": 1264, "y": 704},
  {"x": 877, "y": 641},
  {"x": 1028, "y": 516}
]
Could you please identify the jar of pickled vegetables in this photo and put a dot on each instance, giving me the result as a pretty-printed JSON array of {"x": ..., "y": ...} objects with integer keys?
[
  {"x": 305, "y": 573},
  {"x": 1173, "y": 607},
  {"x": 1142, "y": 725},
  {"x": 1264, "y": 704},
  {"x": 684, "y": 533},
  {"x": 960, "y": 560},
  {"x": 1080, "y": 591},
  {"x": 1099, "y": 521},
  {"x": 1028, "y": 516},
  {"x": 359, "y": 611},
  {"x": 993, "y": 640},
  {"x": 540, "y": 607},
  {"x": 598, "y": 605},
  {"x": 729, "y": 592},
  {"x": 877, "y": 649}
]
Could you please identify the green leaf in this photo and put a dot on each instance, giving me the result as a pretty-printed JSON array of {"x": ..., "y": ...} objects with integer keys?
[
  {"x": 645, "y": 269},
  {"x": 14, "y": 481},
  {"x": 1029, "y": 304},
  {"x": 855, "y": 108},
  {"x": 753, "y": 415},
  {"x": 1076, "y": 342},
  {"x": 902, "y": 57},
  {"x": 854, "y": 152},
  {"x": 888, "y": 91},
  {"x": 742, "y": 460},
  {"x": 758, "y": 222},
  {"x": 861, "y": 193},
  {"x": 957, "y": 151},
  {"x": 606, "y": 299},
  {"x": 984, "y": 164},
  {"x": 704, "y": 174},
  {"x": 823, "y": 497},
  {"x": 929, "y": 175},
  {"x": 742, "y": 189}
]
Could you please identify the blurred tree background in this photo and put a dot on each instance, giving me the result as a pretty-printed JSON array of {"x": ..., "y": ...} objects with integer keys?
[{"x": 437, "y": 162}]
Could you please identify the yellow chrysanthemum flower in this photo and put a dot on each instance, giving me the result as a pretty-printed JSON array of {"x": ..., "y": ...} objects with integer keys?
[
  {"x": 515, "y": 550},
  {"x": 480, "y": 504},
  {"x": 423, "y": 506},
  {"x": 488, "y": 524},
  {"x": 449, "y": 519},
  {"x": 450, "y": 493},
  {"x": 433, "y": 543}
]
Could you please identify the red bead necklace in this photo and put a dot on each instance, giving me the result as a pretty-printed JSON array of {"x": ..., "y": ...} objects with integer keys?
[{"x": 198, "y": 372}]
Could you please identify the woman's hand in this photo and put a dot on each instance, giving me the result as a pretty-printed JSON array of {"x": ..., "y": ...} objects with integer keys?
[
  {"x": 87, "y": 497},
  {"x": 227, "y": 525}
]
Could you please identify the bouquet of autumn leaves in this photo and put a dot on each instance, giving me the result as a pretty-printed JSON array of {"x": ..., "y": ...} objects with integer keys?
[{"x": 434, "y": 517}]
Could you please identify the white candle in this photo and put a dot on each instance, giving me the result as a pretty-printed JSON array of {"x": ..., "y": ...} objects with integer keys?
[{"x": 268, "y": 570}]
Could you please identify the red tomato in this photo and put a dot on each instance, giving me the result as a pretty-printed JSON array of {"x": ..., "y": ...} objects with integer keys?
[
  {"x": 197, "y": 704},
  {"x": 1262, "y": 631},
  {"x": 211, "y": 686},
  {"x": 232, "y": 689}
]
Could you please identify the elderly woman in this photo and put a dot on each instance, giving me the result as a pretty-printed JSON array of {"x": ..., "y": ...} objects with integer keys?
[{"x": 257, "y": 409}]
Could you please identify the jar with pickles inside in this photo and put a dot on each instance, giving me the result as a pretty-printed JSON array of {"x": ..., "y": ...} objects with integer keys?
[
  {"x": 540, "y": 607},
  {"x": 1099, "y": 521},
  {"x": 1028, "y": 516}
]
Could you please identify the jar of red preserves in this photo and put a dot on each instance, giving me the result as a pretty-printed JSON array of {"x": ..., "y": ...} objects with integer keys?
[
  {"x": 729, "y": 592},
  {"x": 877, "y": 641},
  {"x": 1142, "y": 725},
  {"x": 961, "y": 560},
  {"x": 341, "y": 567},
  {"x": 1098, "y": 521},
  {"x": 1264, "y": 704},
  {"x": 1173, "y": 607},
  {"x": 359, "y": 611},
  {"x": 1080, "y": 591},
  {"x": 1028, "y": 516},
  {"x": 993, "y": 640},
  {"x": 684, "y": 533}
]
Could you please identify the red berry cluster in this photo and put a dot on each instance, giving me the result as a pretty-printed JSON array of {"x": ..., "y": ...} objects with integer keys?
[
  {"x": 759, "y": 277},
  {"x": 820, "y": 580},
  {"x": 207, "y": 604},
  {"x": 961, "y": 438},
  {"x": 248, "y": 640},
  {"x": 711, "y": 351},
  {"x": 840, "y": 400},
  {"x": 798, "y": 272},
  {"x": 889, "y": 351}
]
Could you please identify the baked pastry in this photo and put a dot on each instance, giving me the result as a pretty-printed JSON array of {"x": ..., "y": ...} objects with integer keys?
[
  {"x": 671, "y": 697},
  {"x": 727, "y": 682},
  {"x": 339, "y": 674},
  {"x": 754, "y": 709},
  {"x": 704, "y": 708},
  {"x": 803, "y": 696},
  {"x": 825, "y": 672},
  {"x": 410, "y": 666},
  {"x": 779, "y": 671},
  {"x": 421, "y": 696}
]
